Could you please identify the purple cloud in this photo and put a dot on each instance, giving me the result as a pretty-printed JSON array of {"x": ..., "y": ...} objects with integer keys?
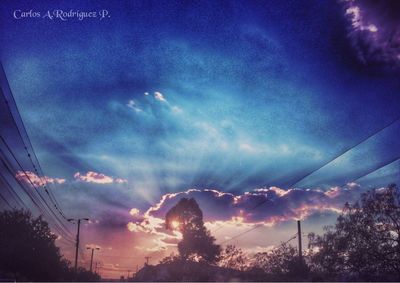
[
  {"x": 274, "y": 204},
  {"x": 374, "y": 32}
]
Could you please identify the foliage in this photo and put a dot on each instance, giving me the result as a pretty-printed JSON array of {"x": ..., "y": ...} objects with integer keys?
[
  {"x": 197, "y": 242},
  {"x": 28, "y": 251},
  {"x": 170, "y": 259},
  {"x": 180, "y": 270},
  {"x": 283, "y": 262},
  {"x": 233, "y": 257},
  {"x": 364, "y": 243},
  {"x": 27, "y": 247},
  {"x": 83, "y": 275}
]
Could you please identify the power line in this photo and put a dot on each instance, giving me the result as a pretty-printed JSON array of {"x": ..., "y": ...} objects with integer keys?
[
  {"x": 117, "y": 256},
  {"x": 26, "y": 175},
  {"x": 18, "y": 116},
  {"x": 43, "y": 181},
  {"x": 327, "y": 162},
  {"x": 259, "y": 225},
  {"x": 34, "y": 200},
  {"x": 5, "y": 200},
  {"x": 33, "y": 197},
  {"x": 375, "y": 169},
  {"x": 25, "y": 147},
  {"x": 116, "y": 270},
  {"x": 67, "y": 242},
  {"x": 345, "y": 151},
  {"x": 33, "y": 185},
  {"x": 11, "y": 191},
  {"x": 241, "y": 234}
]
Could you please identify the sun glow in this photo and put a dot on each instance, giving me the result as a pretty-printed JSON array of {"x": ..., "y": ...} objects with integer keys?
[{"x": 175, "y": 224}]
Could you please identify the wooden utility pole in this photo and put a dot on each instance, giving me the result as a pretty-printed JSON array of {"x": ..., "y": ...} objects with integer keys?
[
  {"x": 299, "y": 237},
  {"x": 78, "y": 221},
  {"x": 147, "y": 259},
  {"x": 77, "y": 246}
]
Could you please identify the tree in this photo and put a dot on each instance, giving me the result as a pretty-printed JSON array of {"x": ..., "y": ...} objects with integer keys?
[
  {"x": 282, "y": 262},
  {"x": 197, "y": 242},
  {"x": 233, "y": 257},
  {"x": 27, "y": 247},
  {"x": 364, "y": 244},
  {"x": 28, "y": 251},
  {"x": 172, "y": 258}
]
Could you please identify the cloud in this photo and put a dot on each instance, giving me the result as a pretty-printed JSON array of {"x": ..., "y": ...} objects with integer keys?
[
  {"x": 144, "y": 104},
  {"x": 153, "y": 226},
  {"x": 374, "y": 31},
  {"x": 239, "y": 212},
  {"x": 31, "y": 178},
  {"x": 248, "y": 148},
  {"x": 131, "y": 104},
  {"x": 161, "y": 238},
  {"x": 265, "y": 205},
  {"x": 134, "y": 211},
  {"x": 176, "y": 109},
  {"x": 98, "y": 178},
  {"x": 120, "y": 181},
  {"x": 159, "y": 96}
]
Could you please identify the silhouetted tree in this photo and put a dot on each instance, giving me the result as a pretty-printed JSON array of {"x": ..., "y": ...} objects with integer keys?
[
  {"x": 170, "y": 259},
  {"x": 83, "y": 275},
  {"x": 28, "y": 251},
  {"x": 27, "y": 248},
  {"x": 233, "y": 257},
  {"x": 282, "y": 262},
  {"x": 197, "y": 242},
  {"x": 364, "y": 244}
]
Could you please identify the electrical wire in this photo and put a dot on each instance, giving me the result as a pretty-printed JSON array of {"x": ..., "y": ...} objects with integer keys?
[
  {"x": 5, "y": 200},
  {"x": 15, "y": 196},
  {"x": 359, "y": 177},
  {"x": 346, "y": 151},
  {"x": 33, "y": 185},
  {"x": 328, "y": 162},
  {"x": 41, "y": 174},
  {"x": 34, "y": 199}
]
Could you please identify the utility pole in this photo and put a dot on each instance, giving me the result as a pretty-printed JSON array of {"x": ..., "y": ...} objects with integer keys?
[
  {"x": 147, "y": 259},
  {"x": 299, "y": 237},
  {"x": 78, "y": 221},
  {"x": 91, "y": 258}
]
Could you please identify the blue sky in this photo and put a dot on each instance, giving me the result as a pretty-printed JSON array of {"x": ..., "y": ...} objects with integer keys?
[
  {"x": 172, "y": 95},
  {"x": 267, "y": 90}
]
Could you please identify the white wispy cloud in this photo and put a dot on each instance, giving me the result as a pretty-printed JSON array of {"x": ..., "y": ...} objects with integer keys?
[
  {"x": 30, "y": 178},
  {"x": 131, "y": 104},
  {"x": 98, "y": 178},
  {"x": 159, "y": 96}
]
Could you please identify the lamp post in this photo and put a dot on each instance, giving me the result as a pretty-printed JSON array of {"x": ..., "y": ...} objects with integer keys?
[
  {"x": 91, "y": 258},
  {"x": 77, "y": 221}
]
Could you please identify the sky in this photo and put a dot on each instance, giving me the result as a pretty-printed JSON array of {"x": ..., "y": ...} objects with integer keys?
[{"x": 229, "y": 102}]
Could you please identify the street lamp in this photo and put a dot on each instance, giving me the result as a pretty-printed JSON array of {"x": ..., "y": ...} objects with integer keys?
[
  {"x": 77, "y": 221},
  {"x": 91, "y": 258}
]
